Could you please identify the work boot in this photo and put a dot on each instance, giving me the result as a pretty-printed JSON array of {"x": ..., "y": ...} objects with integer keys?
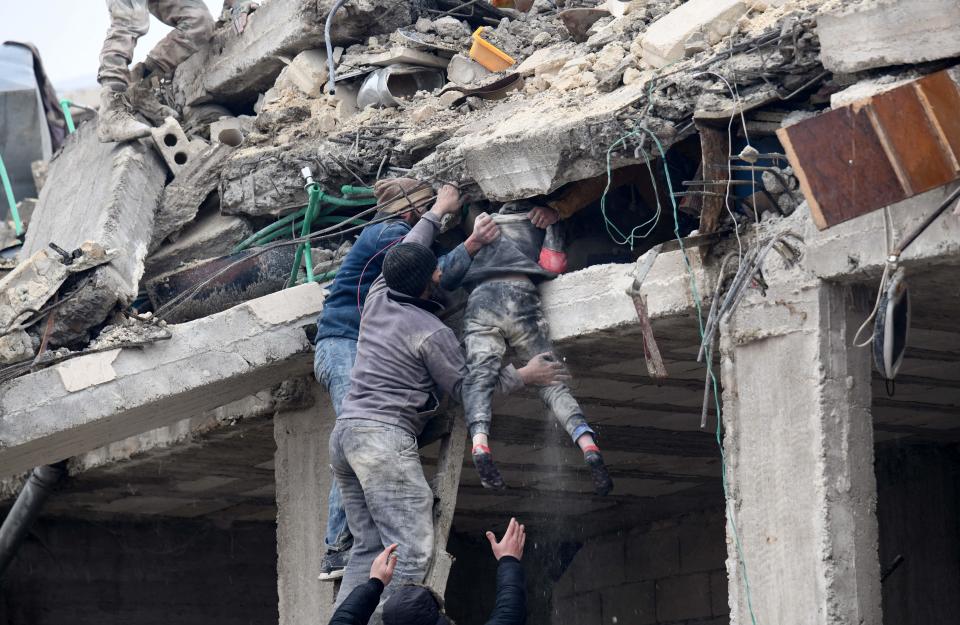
[
  {"x": 333, "y": 565},
  {"x": 602, "y": 484},
  {"x": 489, "y": 474},
  {"x": 143, "y": 99},
  {"x": 115, "y": 122}
]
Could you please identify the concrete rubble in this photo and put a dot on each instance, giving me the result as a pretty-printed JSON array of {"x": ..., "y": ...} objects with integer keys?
[{"x": 696, "y": 128}]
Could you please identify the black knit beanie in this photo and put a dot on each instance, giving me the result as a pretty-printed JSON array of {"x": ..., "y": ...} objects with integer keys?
[{"x": 408, "y": 267}]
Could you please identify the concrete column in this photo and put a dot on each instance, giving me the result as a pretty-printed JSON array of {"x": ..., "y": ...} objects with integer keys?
[
  {"x": 303, "y": 482},
  {"x": 799, "y": 447}
]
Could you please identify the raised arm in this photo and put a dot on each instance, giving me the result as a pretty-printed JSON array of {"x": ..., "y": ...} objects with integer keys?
[{"x": 511, "y": 606}]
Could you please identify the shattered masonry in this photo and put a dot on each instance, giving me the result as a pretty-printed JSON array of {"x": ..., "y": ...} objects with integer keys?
[{"x": 159, "y": 344}]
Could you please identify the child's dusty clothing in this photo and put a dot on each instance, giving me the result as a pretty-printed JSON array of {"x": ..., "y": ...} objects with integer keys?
[{"x": 501, "y": 313}]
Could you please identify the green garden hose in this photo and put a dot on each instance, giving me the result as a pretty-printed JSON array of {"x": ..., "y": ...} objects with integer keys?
[
  {"x": 65, "y": 106},
  {"x": 8, "y": 191}
]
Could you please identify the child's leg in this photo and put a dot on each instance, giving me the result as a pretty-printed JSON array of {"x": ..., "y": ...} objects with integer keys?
[
  {"x": 531, "y": 336},
  {"x": 485, "y": 348}
]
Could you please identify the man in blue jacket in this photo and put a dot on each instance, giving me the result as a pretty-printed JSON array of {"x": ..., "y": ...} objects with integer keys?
[
  {"x": 416, "y": 605},
  {"x": 339, "y": 324}
]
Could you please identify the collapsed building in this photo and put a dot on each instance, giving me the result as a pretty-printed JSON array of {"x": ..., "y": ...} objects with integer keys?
[{"x": 739, "y": 178}]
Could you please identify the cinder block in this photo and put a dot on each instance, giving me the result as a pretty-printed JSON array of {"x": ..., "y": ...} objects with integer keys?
[
  {"x": 719, "y": 604},
  {"x": 663, "y": 41},
  {"x": 631, "y": 604},
  {"x": 703, "y": 545},
  {"x": 683, "y": 597},
  {"x": 600, "y": 564},
  {"x": 651, "y": 555},
  {"x": 174, "y": 146}
]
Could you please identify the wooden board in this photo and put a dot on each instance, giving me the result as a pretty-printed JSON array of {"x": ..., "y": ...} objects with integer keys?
[
  {"x": 715, "y": 149},
  {"x": 877, "y": 151}
]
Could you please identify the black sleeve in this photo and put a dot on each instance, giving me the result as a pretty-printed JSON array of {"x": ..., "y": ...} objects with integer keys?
[
  {"x": 359, "y": 606},
  {"x": 511, "y": 608}
]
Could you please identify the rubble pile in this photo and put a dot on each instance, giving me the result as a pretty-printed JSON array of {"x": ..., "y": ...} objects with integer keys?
[{"x": 510, "y": 105}]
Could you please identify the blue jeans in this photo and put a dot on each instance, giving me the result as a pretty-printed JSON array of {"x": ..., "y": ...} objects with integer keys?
[
  {"x": 387, "y": 499},
  {"x": 332, "y": 361}
]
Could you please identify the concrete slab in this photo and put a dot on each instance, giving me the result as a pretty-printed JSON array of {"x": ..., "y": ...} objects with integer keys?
[
  {"x": 663, "y": 41},
  {"x": 209, "y": 236},
  {"x": 542, "y": 144},
  {"x": 103, "y": 192},
  {"x": 207, "y": 363},
  {"x": 236, "y": 68},
  {"x": 867, "y": 35},
  {"x": 184, "y": 196}
]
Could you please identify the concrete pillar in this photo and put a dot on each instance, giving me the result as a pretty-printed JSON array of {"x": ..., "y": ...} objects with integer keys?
[
  {"x": 303, "y": 481},
  {"x": 799, "y": 448}
]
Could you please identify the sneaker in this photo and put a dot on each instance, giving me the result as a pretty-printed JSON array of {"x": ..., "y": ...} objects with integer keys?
[
  {"x": 602, "y": 484},
  {"x": 115, "y": 120},
  {"x": 489, "y": 474},
  {"x": 333, "y": 564}
]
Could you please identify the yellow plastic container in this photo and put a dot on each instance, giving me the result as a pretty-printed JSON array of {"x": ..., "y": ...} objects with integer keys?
[{"x": 489, "y": 55}]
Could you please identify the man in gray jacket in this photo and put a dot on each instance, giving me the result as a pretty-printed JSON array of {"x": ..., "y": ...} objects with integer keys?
[{"x": 406, "y": 357}]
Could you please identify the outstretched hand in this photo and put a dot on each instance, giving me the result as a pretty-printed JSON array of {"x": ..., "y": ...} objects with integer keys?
[
  {"x": 382, "y": 568},
  {"x": 543, "y": 370},
  {"x": 512, "y": 542}
]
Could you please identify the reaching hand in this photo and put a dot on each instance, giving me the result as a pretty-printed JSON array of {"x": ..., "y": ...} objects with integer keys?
[
  {"x": 543, "y": 216},
  {"x": 382, "y": 567},
  {"x": 448, "y": 201},
  {"x": 512, "y": 542},
  {"x": 543, "y": 370},
  {"x": 485, "y": 232}
]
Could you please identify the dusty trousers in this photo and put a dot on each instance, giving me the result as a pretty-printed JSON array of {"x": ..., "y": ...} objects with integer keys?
[
  {"x": 502, "y": 313},
  {"x": 387, "y": 500},
  {"x": 130, "y": 19}
]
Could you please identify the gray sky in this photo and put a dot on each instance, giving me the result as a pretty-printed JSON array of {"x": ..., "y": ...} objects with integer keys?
[{"x": 69, "y": 34}]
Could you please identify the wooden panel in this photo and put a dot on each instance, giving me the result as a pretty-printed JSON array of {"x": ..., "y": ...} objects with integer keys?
[
  {"x": 942, "y": 99},
  {"x": 843, "y": 169},
  {"x": 877, "y": 151},
  {"x": 914, "y": 144}
]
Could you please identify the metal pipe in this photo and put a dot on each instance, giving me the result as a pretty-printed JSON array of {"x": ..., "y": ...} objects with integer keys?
[
  {"x": 331, "y": 69},
  {"x": 35, "y": 491}
]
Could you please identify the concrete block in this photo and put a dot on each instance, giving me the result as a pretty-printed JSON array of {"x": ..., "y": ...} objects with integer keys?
[
  {"x": 228, "y": 131},
  {"x": 465, "y": 71},
  {"x": 112, "y": 191},
  {"x": 234, "y": 69},
  {"x": 599, "y": 564},
  {"x": 703, "y": 545},
  {"x": 308, "y": 71},
  {"x": 582, "y": 609},
  {"x": 209, "y": 236},
  {"x": 546, "y": 60},
  {"x": 663, "y": 41},
  {"x": 207, "y": 363},
  {"x": 653, "y": 554},
  {"x": 176, "y": 149},
  {"x": 683, "y": 597},
  {"x": 866, "y": 35},
  {"x": 630, "y": 604}
]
